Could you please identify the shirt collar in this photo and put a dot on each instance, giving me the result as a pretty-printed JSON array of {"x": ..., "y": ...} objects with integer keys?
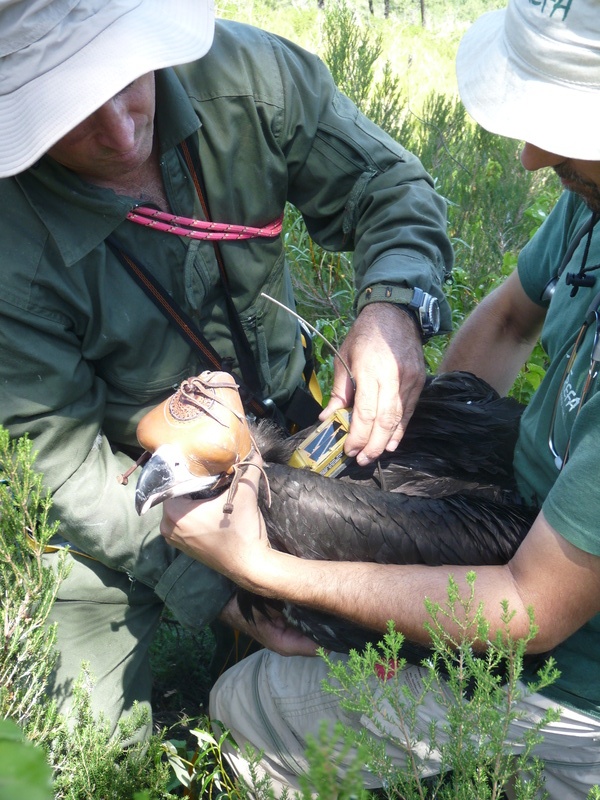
[{"x": 80, "y": 216}]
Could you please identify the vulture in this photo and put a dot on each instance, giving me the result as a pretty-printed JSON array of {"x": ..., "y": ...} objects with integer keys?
[{"x": 445, "y": 496}]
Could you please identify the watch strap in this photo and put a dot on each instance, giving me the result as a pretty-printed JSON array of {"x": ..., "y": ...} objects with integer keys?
[{"x": 382, "y": 293}]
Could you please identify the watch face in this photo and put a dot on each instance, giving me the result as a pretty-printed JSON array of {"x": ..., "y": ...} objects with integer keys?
[
  {"x": 429, "y": 314},
  {"x": 434, "y": 311}
]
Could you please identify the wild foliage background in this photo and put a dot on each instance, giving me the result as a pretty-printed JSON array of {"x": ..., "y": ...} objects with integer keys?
[
  {"x": 402, "y": 76},
  {"x": 396, "y": 61}
]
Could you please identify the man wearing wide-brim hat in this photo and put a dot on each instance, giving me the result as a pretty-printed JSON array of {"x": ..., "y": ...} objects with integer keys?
[
  {"x": 138, "y": 139},
  {"x": 530, "y": 72}
]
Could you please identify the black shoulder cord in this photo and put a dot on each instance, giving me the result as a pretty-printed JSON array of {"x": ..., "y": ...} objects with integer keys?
[
  {"x": 185, "y": 325},
  {"x": 243, "y": 351},
  {"x": 583, "y": 278},
  {"x": 302, "y": 409}
]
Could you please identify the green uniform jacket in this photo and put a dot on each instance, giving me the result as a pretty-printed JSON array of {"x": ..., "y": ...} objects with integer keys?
[
  {"x": 83, "y": 352},
  {"x": 570, "y": 499}
]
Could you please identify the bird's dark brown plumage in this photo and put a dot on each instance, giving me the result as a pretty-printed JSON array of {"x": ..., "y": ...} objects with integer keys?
[{"x": 446, "y": 496}]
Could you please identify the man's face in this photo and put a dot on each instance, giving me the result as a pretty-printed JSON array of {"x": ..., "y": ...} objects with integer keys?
[
  {"x": 116, "y": 139},
  {"x": 576, "y": 175}
]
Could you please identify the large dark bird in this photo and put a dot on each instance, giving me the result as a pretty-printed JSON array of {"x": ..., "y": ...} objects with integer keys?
[{"x": 445, "y": 496}]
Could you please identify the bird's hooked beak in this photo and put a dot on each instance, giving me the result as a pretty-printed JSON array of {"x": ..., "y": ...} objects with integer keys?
[{"x": 166, "y": 475}]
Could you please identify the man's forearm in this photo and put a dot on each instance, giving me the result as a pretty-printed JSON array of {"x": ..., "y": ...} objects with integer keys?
[
  {"x": 486, "y": 351},
  {"x": 498, "y": 337},
  {"x": 372, "y": 594}
]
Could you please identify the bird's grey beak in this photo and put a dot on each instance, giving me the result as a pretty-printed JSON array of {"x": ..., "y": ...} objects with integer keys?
[{"x": 166, "y": 475}]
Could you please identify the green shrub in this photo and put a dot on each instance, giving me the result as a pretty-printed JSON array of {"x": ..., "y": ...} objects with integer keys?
[
  {"x": 23, "y": 768},
  {"x": 29, "y": 589},
  {"x": 86, "y": 761},
  {"x": 479, "y": 703},
  {"x": 91, "y": 763},
  {"x": 494, "y": 205}
]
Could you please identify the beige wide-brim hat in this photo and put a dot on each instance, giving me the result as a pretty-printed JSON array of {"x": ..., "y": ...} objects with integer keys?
[
  {"x": 532, "y": 72},
  {"x": 60, "y": 60}
]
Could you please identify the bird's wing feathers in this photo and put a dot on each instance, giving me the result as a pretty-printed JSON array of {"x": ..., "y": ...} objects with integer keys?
[{"x": 356, "y": 523}]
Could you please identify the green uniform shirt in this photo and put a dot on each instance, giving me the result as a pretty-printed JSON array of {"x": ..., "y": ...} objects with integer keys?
[
  {"x": 84, "y": 353},
  {"x": 570, "y": 499}
]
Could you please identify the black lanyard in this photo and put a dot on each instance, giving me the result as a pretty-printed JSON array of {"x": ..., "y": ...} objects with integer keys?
[
  {"x": 184, "y": 324},
  {"x": 573, "y": 279},
  {"x": 301, "y": 409}
]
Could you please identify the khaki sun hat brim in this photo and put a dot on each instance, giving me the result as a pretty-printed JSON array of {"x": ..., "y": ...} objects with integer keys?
[{"x": 50, "y": 85}]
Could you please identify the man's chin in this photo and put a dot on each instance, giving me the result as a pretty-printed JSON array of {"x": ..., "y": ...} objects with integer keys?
[
  {"x": 588, "y": 191},
  {"x": 592, "y": 200}
]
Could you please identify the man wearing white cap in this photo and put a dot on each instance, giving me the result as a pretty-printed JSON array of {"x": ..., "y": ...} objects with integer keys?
[
  {"x": 130, "y": 183},
  {"x": 530, "y": 72}
]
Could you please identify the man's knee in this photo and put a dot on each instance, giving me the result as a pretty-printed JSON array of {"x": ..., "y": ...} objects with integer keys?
[{"x": 107, "y": 622}]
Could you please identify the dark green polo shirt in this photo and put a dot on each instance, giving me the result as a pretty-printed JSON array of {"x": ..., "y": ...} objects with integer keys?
[{"x": 570, "y": 499}]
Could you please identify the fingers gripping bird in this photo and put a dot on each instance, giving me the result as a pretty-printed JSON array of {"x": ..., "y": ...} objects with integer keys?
[{"x": 445, "y": 496}]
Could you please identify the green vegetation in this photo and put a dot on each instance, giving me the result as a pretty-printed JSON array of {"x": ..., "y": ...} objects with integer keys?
[
  {"x": 494, "y": 206},
  {"x": 24, "y": 771},
  {"x": 26, "y": 658},
  {"x": 479, "y": 697},
  {"x": 87, "y": 763}
]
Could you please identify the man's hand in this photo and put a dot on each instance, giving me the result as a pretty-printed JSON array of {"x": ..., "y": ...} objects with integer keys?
[
  {"x": 234, "y": 544},
  {"x": 384, "y": 353},
  {"x": 272, "y": 632}
]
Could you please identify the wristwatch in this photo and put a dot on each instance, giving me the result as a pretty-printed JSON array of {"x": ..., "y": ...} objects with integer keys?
[{"x": 423, "y": 307}]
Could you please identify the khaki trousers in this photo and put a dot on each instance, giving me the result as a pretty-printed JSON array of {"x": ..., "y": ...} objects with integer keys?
[{"x": 273, "y": 703}]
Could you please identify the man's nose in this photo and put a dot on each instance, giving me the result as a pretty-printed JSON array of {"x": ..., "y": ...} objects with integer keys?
[
  {"x": 114, "y": 126},
  {"x": 533, "y": 158}
]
